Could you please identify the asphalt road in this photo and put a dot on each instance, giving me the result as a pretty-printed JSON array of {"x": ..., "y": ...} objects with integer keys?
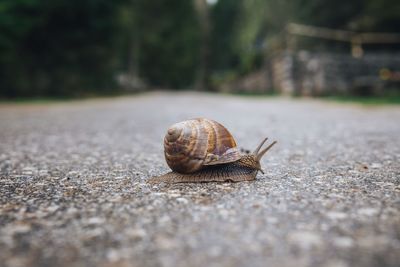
[{"x": 73, "y": 188}]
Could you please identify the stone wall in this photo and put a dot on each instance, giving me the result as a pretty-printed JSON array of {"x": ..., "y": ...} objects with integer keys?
[{"x": 306, "y": 73}]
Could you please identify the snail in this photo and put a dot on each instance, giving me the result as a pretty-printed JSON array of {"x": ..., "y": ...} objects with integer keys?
[{"x": 203, "y": 150}]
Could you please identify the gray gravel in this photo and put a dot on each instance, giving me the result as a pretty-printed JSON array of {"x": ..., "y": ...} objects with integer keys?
[{"x": 73, "y": 188}]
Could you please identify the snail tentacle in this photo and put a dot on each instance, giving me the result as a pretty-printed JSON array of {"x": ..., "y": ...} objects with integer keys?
[{"x": 262, "y": 153}]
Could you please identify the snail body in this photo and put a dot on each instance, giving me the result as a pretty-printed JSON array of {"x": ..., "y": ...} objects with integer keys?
[{"x": 203, "y": 150}]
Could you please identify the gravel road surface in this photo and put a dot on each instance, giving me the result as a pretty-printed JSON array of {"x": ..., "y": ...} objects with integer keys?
[{"x": 73, "y": 188}]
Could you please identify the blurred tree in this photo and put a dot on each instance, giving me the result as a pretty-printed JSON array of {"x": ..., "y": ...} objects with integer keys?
[
  {"x": 71, "y": 47},
  {"x": 204, "y": 23},
  {"x": 169, "y": 42},
  {"x": 237, "y": 35},
  {"x": 130, "y": 37},
  {"x": 224, "y": 19},
  {"x": 56, "y": 47},
  {"x": 249, "y": 39}
]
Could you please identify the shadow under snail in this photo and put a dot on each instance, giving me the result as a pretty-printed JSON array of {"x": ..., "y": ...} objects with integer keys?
[{"x": 202, "y": 150}]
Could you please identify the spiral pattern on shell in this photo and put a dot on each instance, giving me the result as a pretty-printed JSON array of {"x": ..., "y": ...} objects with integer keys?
[{"x": 190, "y": 145}]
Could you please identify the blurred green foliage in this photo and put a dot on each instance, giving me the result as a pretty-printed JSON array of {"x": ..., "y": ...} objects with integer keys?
[
  {"x": 56, "y": 47},
  {"x": 161, "y": 37},
  {"x": 74, "y": 48}
]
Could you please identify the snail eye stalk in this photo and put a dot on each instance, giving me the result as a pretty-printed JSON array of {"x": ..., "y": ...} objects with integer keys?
[
  {"x": 259, "y": 146},
  {"x": 262, "y": 153}
]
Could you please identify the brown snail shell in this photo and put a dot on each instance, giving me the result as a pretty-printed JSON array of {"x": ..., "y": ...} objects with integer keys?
[{"x": 193, "y": 144}]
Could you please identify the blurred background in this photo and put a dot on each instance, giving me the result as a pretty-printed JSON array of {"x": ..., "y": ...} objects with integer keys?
[{"x": 71, "y": 48}]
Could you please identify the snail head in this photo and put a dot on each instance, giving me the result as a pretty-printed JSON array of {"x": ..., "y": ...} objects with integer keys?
[{"x": 258, "y": 153}]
